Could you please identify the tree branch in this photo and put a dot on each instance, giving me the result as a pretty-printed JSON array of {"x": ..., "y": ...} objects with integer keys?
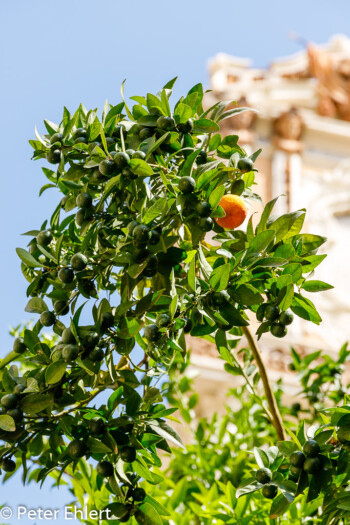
[
  {"x": 11, "y": 356},
  {"x": 276, "y": 418}
]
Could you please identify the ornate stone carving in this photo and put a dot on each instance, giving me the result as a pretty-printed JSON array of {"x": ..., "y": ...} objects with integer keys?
[
  {"x": 333, "y": 83},
  {"x": 288, "y": 130}
]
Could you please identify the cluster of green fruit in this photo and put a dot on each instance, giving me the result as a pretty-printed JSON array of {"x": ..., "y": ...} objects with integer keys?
[
  {"x": 133, "y": 495},
  {"x": 264, "y": 476},
  {"x": 11, "y": 404},
  {"x": 69, "y": 348},
  {"x": 309, "y": 461},
  {"x": 142, "y": 237},
  {"x": 278, "y": 321},
  {"x": 164, "y": 326},
  {"x": 200, "y": 210}
]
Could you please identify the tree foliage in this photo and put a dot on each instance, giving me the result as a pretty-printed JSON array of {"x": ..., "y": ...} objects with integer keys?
[{"x": 124, "y": 267}]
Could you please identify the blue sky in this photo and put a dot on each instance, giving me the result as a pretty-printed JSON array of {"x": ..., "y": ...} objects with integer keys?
[{"x": 67, "y": 52}]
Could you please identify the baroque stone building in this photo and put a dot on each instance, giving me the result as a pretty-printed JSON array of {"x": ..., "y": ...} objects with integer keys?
[{"x": 303, "y": 128}]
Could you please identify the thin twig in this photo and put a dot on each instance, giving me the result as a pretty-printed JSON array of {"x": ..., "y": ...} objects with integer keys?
[{"x": 271, "y": 400}]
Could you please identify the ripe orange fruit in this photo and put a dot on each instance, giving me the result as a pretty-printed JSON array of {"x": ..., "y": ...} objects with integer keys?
[{"x": 236, "y": 211}]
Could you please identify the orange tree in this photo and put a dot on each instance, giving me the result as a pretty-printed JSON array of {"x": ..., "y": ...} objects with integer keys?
[{"x": 127, "y": 249}]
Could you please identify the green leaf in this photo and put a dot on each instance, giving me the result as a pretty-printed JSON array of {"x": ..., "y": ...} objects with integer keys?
[
  {"x": 310, "y": 242},
  {"x": 279, "y": 506},
  {"x": 134, "y": 270},
  {"x": 229, "y": 146},
  {"x": 36, "y": 305},
  {"x": 128, "y": 112},
  {"x": 312, "y": 261},
  {"x": 140, "y": 167},
  {"x": 287, "y": 447},
  {"x": 204, "y": 125},
  {"x": 261, "y": 242},
  {"x": 214, "y": 142},
  {"x": 215, "y": 196},
  {"x": 285, "y": 297},
  {"x": 219, "y": 277},
  {"x": 96, "y": 446},
  {"x": 153, "y": 147},
  {"x": 205, "y": 266},
  {"x": 305, "y": 309},
  {"x": 232, "y": 112},
  {"x": 261, "y": 457},
  {"x": 187, "y": 167},
  {"x": 147, "y": 515},
  {"x": 35, "y": 403},
  {"x": 167, "y": 433},
  {"x": 55, "y": 371},
  {"x": 182, "y": 113},
  {"x": 288, "y": 225},
  {"x": 162, "y": 511},
  {"x": 293, "y": 269},
  {"x": 7, "y": 423},
  {"x": 28, "y": 259},
  {"x": 156, "y": 210},
  {"x": 248, "y": 489},
  {"x": 191, "y": 277},
  {"x": 316, "y": 286},
  {"x": 129, "y": 327},
  {"x": 247, "y": 295},
  {"x": 265, "y": 215}
]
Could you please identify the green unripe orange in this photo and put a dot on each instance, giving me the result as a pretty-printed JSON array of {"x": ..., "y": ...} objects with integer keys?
[
  {"x": 278, "y": 330},
  {"x": 47, "y": 318},
  {"x": 44, "y": 238},
  {"x": 68, "y": 338},
  {"x": 187, "y": 185},
  {"x": 121, "y": 160},
  {"x": 152, "y": 333},
  {"x": 53, "y": 156},
  {"x": 297, "y": 458},
  {"x": 271, "y": 312},
  {"x": 163, "y": 320},
  {"x": 76, "y": 449},
  {"x": 245, "y": 164},
  {"x": 78, "y": 262},
  {"x": 66, "y": 275},
  {"x": 139, "y": 155},
  {"x": 9, "y": 401},
  {"x": 269, "y": 491},
  {"x": 70, "y": 353},
  {"x": 203, "y": 209},
  {"x": 84, "y": 200},
  {"x": 105, "y": 469},
  {"x": 106, "y": 167},
  {"x": 201, "y": 157},
  {"x": 19, "y": 346},
  {"x": 8, "y": 465},
  {"x": 96, "y": 426},
  {"x": 206, "y": 224},
  {"x": 311, "y": 448},
  {"x": 56, "y": 137},
  {"x": 286, "y": 317},
  {"x": 61, "y": 307},
  {"x": 263, "y": 475},
  {"x": 127, "y": 454}
]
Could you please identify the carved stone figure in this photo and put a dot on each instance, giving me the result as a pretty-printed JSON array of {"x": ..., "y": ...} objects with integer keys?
[{"x": 288, "y": 130}]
